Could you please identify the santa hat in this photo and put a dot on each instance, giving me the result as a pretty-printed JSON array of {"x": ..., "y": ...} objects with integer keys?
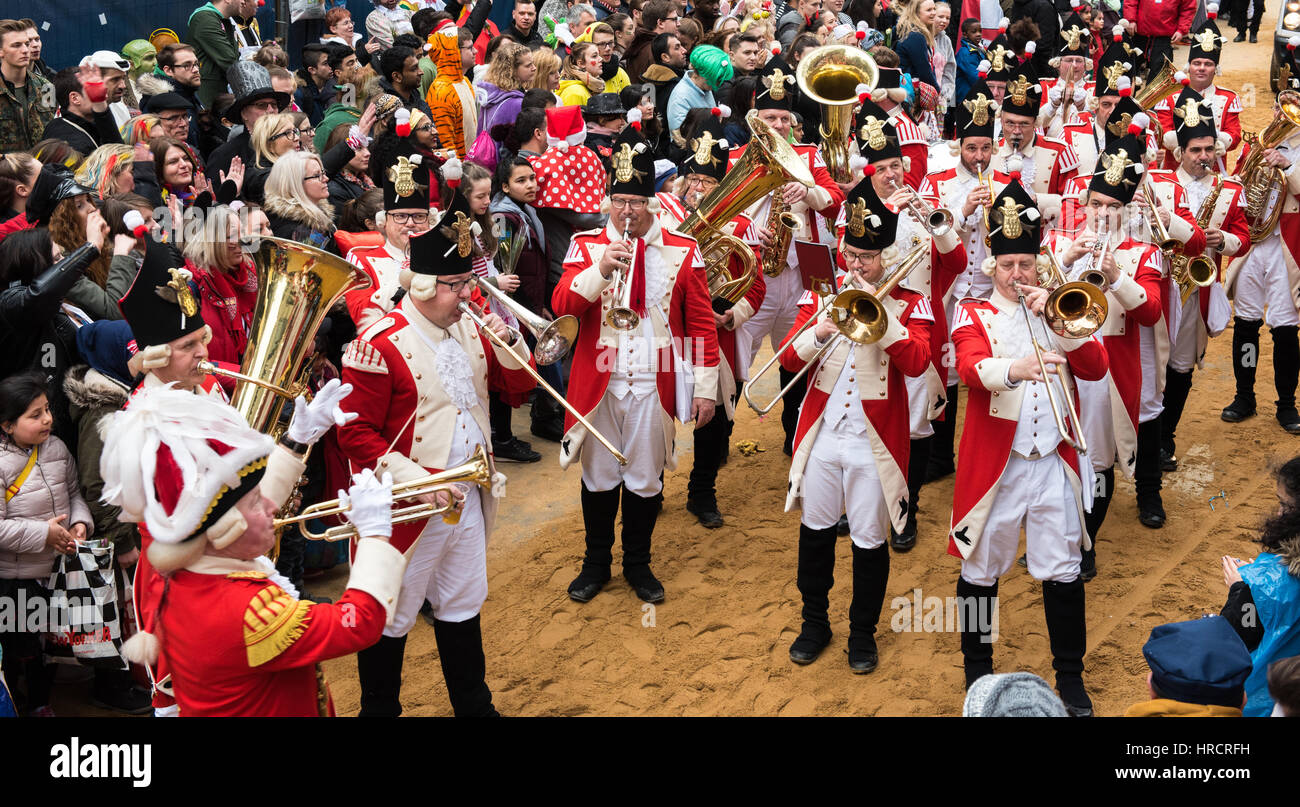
[
  {"x": 565, "y": 127},
  {"x": 402, "y": 121}
]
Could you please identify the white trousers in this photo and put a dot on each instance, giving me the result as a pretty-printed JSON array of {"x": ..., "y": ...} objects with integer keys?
[
  {"x": 1263, "y": 284},
  {"x": 1096, "y": 419},
  {"x": 775, "y": 316},
  {"x": 841, "y": 471},
  {"x": 1035, "y": 495},
  {"x": 1182, "y": 354},
  {"x": 635, "y": 426},
  {"x": 918, "y": 406},
  {"x": 448, "y": 567}
]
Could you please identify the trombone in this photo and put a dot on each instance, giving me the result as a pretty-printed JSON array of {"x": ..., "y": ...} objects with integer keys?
[
  {"x": 1074, "y": 309},
  {"x": 475, "y": 470},
  {"x": 553, "y": 338},
  {"x": 1159, "y": 233},
  {"x": 937, "y": 221},
  {"x": 1063, "y": 374},
  {"x": 466, "y": 309},
  {"x": 859, "y": 316},
  {"x": 621, "y": 316}
]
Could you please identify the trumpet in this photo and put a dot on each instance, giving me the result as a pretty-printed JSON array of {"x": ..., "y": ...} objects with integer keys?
[
  {"x": 1102, "y": 242},
  {"x": 553, "y": 338},
  {"x": 466, "y": 309},
  {"x": 983, "y": 180},
  {"x": 1074, "y": 309},
  {"x": 1199, "y": 271},
  {"x": 859, "y": 316},
  {"x": 288, "y": 393},
  {"x": 937, "y": 221},
  {"x": 1159, "y": 233},
  {"x": 476, "y": 470},
  {"x": 621, "y": 316},
  {"x": 1067, "y": 400}
]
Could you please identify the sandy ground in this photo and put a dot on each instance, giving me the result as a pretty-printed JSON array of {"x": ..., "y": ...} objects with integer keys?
[{"x": 718, "y": 644}]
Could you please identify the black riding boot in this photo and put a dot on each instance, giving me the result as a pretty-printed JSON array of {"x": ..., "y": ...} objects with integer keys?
[
  {"x": 599, "y": 509},
  {"x": 1067, "y": 632},
  {"x": 639, "y": 516},
  {"x": 975, "y": 606},
  {"x": 1092, "y": 521},
  {"x": 1245, "y": 359},
  {"x": 379, "y": 671},
  {"x": 1146, "y": 475},
  {"x": 870, "y": 578},
  {"x": 941, "y": 460},
  {"x": 1286, "y": 367},
  {"x": 460, "y": 649},
  {"x": 701, "y": 490},
  {"x": 790, "y": 403},
  {"x": 917, "y": 461},
  {"x": 1177, "y": 386},
  {"x": 815, "y": 577}
]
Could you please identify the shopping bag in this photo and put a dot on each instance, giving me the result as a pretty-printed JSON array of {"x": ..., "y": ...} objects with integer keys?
[{"x": 85, "y": 623}]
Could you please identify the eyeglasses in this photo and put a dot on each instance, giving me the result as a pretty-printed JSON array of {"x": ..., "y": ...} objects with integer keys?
[
  {"x": 308, "y": 132},
  {"x": 456, "y": 286},
  {"x": 703, "y": 182},
  {"x": 409, "y": 218},
  {"x": 425, "y": 127},
  {"x": 186, "y": 66},
  {"x": 292, "y": 134},
  {"x": 630, "y": 204},
  {"x": 321, "y": 176},
  {"x": 855, "y": 258},
  {"x": 267, "y": 105}
]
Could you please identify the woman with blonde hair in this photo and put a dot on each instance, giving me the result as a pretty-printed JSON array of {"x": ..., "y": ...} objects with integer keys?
[
  {"x": 108, "y": 170},
  {"x": 297, "y": 201},
  {"x": 580, "y": 78},
  {"x": 273, "y": 136},
  {"x": 549, "y": 70},
  {"x": 915, "y": 46},
  {"x": 227, "y": 282},
  {"x": 141, "y": 129}
]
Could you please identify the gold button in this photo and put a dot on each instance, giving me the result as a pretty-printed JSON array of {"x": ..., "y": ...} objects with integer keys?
[
  {"x": 883, "y": 363},
  {"x": 851, "y": 378},
  {"x": 882, "y": 378},
  {"x": 480, "y": 355},
  {"x": 853, "y": 366},
  {"x": 418, "y": 376},
  {"x": 421, "y": 417},
  {"x": 408, "y": 355},
  {"x": 994, "y": 411},
  {"x": 419, "y": 439},
  {"x": 995, "y": 395},
  {"x": 458, "y": 411},
  {"x": 846, "y": 406},
  {"x": 882, "y": 393},
  {"x": 389, "y": 600}
]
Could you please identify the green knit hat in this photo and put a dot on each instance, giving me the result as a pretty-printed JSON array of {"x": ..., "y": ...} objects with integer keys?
[
  {"x": 712, "y": 64},
  {"x": 336, "y": 114}
]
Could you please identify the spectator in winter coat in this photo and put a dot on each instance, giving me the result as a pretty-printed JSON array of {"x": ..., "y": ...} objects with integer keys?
[
  {"x": 1160, "y": 25},
  {"x": 83, "y": 123},
  {"x": 212, "y": 33},
  {"x": 1043, "y": 14},
  {"x": 26, "y": 100}
]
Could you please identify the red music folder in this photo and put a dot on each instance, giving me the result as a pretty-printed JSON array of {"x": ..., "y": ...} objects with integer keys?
[{"x": 816, "y": 266}]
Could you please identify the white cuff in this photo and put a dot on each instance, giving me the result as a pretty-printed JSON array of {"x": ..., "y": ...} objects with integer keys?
[{"x": 377, "y": 570}]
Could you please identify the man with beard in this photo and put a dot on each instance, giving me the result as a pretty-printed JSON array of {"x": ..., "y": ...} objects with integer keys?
[
  {"x": 82, "y": 123},
  {"x": 177, "y": 72},
  {"x": 113, "y": 70}
]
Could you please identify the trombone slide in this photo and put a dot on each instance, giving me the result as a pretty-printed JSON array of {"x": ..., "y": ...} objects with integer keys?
[{"x": 1063, "y": 375}]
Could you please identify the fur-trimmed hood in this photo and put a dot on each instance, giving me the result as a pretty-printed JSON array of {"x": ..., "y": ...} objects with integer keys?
[
  {"x": 154, "y": 85},
  {"x": 1289, "y": 552},
  {"x": 90, "y": 389},
  {"x": 319, "y": 218}
]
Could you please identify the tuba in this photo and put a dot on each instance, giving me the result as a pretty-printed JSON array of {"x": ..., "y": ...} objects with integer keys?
[
  {"x": 768, "y": 163},
  {"x": 296, "y": 287},
  {"x": 830, "y": 76},
  {"x": 1264, "y": 184},
  {"x": 1156, "y": 90}
]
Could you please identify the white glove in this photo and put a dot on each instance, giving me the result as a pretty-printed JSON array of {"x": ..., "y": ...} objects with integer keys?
[
  {"x": 1054, "y": 95},
  {"x": 1080, "y": 97},
  {"x": 368, "y": 504},
  {"x": 311, "y": 420}
]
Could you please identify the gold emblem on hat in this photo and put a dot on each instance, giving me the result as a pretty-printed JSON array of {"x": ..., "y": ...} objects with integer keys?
[
  {"x": 1073, "y": 35},
  {"x": 857, "y": 214},
  {"x": 1115, "y": 166},
  {"x": 624, "y": 169},
  {"x": 1206, "y": 40},
  {"x": 873, "y": 131},
  {"x": 1112, "y": 72},
  {"x": 703, "y": 147},
  {"x": 1190, "y": 112},
  {"x": 775, "y": 84},
  {"x": 178, "y": 291},
  {"x": 1120, "y": 126},
  {"x": 1008, "y": 214},
  {"x": 1018, "y": 89},
  {"x": 401, "y": 175},
  {"x": 978, "y": 107},
  {"x": 998, "y": 57},
  {"x": 463, "y": 227}
]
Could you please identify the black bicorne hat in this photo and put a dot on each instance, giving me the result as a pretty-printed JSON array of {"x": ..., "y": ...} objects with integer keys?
[
  {"x": 868, "y": 223},
  {"x": 1119, "y": 168},
  {"x": 1023, "y": 95},
  {"x": 776, "y": 85},
  {"x": 1015, "y": 221},
  {"x": 973, "y": 116},
  {"x": 1002, "y": 59},
  {"x": 1206, "y": 41},
  {"x": 1193, "y": 117},
  {"x": 875, "y": 133},
  {"x": 1114, "y": 65},
  {"x": 708, "y": 150},
  {"x": 162, "y": 304},
  {"x": 402, "y": 186},
  {"x": 633, "y": 165},
  {"x": 448, "y": 247},
  {"x": 1075, "y": 36}
]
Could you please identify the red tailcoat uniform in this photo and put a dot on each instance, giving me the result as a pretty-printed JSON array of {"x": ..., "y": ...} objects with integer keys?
[
  {"x": 238, "y": 645},
  {"x": 407, "y": 420},
  {"x": 914, "y": 145},
  {"x": 673, "y": 214},
  {"x": 1227, "y": 122},
  {"x": 1135, "y": 303},
  {"x": 383, "y": 264},
  {"x": 586, "y": 294},
  {"x": 1288, "y": 227},
  {"x": 903, "y": 351},
  {"x": 1088, "y": 142},
  {"x": 993, "y": 412},
  {"x": 1054, "y": 164}
]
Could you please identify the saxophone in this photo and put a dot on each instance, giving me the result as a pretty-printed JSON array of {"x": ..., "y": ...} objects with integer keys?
[
  {"x": 782, "y": 223},
  {"x": 1191, "y": 273}
]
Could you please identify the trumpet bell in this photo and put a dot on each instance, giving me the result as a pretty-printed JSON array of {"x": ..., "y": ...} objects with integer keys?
[
  {"x": 1075, "y": 310},
  {"x": 940, "y": 222},
  {"x": 622, "y": 319},
  {"x": 859, "y": 316},
  {"x": 555, "y": 339}
]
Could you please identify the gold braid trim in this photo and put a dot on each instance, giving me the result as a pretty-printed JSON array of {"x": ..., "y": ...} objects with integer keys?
[
  {"x": 272, "y": 622},
  {"x": 243, "y": 472}
]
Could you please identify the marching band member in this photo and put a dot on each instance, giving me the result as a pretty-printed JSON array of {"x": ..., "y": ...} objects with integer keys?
[
  {"x": 1204, "y": 312},
  {"x": 703, "y": 169},
  {"x": 232, "y": 632},
  {"x": 1001, "y": 62},
  {"x": 1264, "y": 285},
  {"x": 784, "y": 282},
  {"x": 1115, "y": 109},
  {"x": 631, "y": 384},
  {"x": 940, "y": 265},
  {"x": 889, "y": 94},
  {"x": 1015, "y": 470},
  {"x": 1071, "y": 62},
  {"x": 1119, "y": 412},
  {"x": 1202, "y": 65},
  {"x": 420, "y": 377},
  {"x": 1047, "y": 163},
  {"x": 406, "y": 213},
  {"x": 162, "y": 310},
  {"x": 854, "y": 457},
  {"x": 959, "y": 189}
]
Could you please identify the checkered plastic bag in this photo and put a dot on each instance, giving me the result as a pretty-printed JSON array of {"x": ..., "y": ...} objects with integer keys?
[{"x": 85, "y": 624}]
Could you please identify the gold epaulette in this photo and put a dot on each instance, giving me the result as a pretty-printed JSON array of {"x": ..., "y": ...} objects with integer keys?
[
  {"x": 272, "y": 622},
  {"x": 249, "y": 575}
]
